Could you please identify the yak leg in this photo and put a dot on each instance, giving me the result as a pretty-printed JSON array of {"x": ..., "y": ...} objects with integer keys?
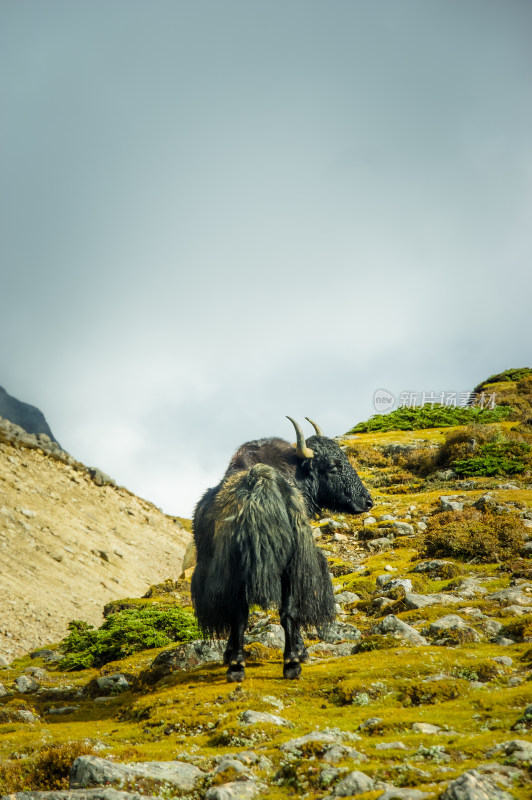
[
  {"x": 234, "y": 652},
  {"x": 294, "y": 647}
]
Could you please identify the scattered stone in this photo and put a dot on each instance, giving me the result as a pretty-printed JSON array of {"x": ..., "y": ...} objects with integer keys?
[
  {"x": 425, "y": 727},
  {"x": 450, "y": 503},
  {"x": 516, "y": 749},
  {"x": 340, "y": 752},
  {"x": 296, "y": 746},
  {"x": 511, "y": 596},
  {"x": 369, "y": 521},
  {"x": 470, "y": 588},
  {"x": 94, "y": 771},
  {"x": 339, "y": 632},
  {"x": 379, "y": 545},
  {"x": 3, "y": 690},
  {"x": 63, "y": 710},
  {"x": 235, "y": 790},
  {"x": 472, "y": 785},
  {"x": 415, "y": 601},
  {"x": 231, "y": 765},
  {"x": 355, "y": 783},
  {"x": 324, "y": 650},
  {"x": 250, "y": 717},
  {"x": 391, "y": 746},
  {"x": 453, "y": 623},
  {"x": 421, "y": 526},
  {"x": 37, "y": 672},
  {"x": 393, "y": 793},
  {"x": 436, "y": 565},
  {"x": 3, "y": 662},
  {"x": 269, "y": 634},
  {"x": 25, "y": 716},
  {"x": 485, "y": 502},
  {"x": 396, "y": 583},
  {"x": 370, "y": 724},
  {"x": 400, "y": 630},
  {"x": 25, "y": 684},
  {"x": 402, "y": 528},
  {"x": 110, "y": 684},
  {"x": 185, "y": 657},
  {"x": 506, "y": 661},
  {"x": 346, "y": 597}
]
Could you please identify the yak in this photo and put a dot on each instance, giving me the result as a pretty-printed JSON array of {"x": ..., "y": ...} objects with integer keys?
[{"x": 255, "y": 545}]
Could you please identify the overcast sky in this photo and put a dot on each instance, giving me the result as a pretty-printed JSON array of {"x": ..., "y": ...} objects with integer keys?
[{"x": 215, "y": 213}]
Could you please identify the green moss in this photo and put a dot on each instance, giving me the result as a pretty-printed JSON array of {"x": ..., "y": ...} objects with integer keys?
[{"x": 438, "y": 416}]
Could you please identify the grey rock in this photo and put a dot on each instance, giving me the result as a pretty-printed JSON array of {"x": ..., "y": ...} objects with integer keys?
[
  {"x": 436, "y": 565},
  {"x": 4, "y": 662},
  {"x": 379, "y": 545},
  {"x": 63, "y": 710},
  {"x": 25, "y": 684},
  {"x": 506, "y": 597},
  {"x": 485, "y": 502},
  {"x": 472, "y": 785},
  {"x": 340, "y": 752},
  {"x": 370, "y": 724},
  {"x": 470, "y": 588},
  {"x": 235, "y": 790},
  {"x": 396, "y": 627},
  {"x": 506, "y": 661},
  {"x": 527, "y": 549},
  {"x": 100, "y": 478},
  {"x": 491, "y": 627},
  {"x": 354, "y": 783},
  {"x": 112, "y": 684},
  {"x": 324, "y": 650},
  {"x": 233, "y": 764},
  {"x": 187, "y": 656},
  {"x": 516, "y": 749},
  {"x": 393, "y": 793},
  {"x": 445, "y": 474},
  {"x": 402, "y": 528},
  {"x": 269, "y": 634},
  {"x": 37, "y": 672},
  {"x": 93, "y": 771},
  {"x": 396, "y": 583},
  {"x": 296, "y": 746},
  {"x": 3, "y": 690},
  {"x": 421, "y": 526},
  {"x": 425, "y": 727},
  {"x": 250, "y": 717},
  {"x": 414, "y": 601},
  {"x": 449, "y": 503},
  {"x": 346, "y": 597},
  {"x": 369, "y": 521},
  {"x": 391, "y": 746},
  {"x": 339, "y": 632},
  {"x": 504, "y": 641},
  {"x": 452, "y": 622},
  {"x": 25, "y": 716}
]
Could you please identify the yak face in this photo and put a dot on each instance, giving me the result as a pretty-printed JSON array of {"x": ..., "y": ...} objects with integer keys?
[{"x": 331, "y": 481}]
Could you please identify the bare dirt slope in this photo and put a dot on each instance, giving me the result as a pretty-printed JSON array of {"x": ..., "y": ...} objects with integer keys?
[{"x": 68, "y": 546}]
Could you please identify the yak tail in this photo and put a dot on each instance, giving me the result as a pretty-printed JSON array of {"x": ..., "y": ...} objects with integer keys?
[{"x": 263, "y": 554}]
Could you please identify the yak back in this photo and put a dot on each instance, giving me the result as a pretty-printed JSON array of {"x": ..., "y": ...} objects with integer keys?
[
  {"x": 275, "y": 452},
  {"x": 261, "y": 541}
]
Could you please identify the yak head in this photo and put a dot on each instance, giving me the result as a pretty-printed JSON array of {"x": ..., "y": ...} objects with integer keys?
[{"x": 326, "y": 477}]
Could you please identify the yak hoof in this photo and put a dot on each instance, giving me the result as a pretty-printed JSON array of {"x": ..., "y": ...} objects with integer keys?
[
  {"x": 236, "y": 673},
  {"x": 291, "y": 670}
]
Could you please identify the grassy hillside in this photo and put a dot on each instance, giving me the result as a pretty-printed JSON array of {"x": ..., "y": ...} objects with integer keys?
[{"x": 415, "y": 708}]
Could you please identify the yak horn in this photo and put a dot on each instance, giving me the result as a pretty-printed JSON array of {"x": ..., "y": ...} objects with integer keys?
[
  {"x": 301, "y": 448},
  {"x": 317, "y": 428}
]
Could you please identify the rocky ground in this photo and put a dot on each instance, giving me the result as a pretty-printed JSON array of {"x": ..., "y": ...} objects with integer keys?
[
  {"x": 421, "y": 689},
  {"x": 70, "y": 541}
]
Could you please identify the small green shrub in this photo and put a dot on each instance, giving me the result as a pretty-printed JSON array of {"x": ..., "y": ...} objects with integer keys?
[
  {"x": 437, "y": 416},
  {"x": 124, "y": 633},
  {"x": 504, "y": 377},
  {"x": 495, "y": 458},
  {"x": 472, "y": 534}
]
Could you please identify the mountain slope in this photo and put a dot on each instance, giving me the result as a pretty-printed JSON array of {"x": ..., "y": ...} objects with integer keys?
[{"x": 69, "y": 545}]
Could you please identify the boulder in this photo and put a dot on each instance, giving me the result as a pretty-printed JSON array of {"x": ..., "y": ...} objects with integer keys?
[{"x": 94, "y": 771}]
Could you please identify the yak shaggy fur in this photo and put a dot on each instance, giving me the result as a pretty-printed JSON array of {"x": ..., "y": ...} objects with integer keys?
[{"x": 258, "y": 540}]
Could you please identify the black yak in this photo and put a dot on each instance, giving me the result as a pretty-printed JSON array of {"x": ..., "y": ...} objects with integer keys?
[{"x": 255, "y": 545}]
